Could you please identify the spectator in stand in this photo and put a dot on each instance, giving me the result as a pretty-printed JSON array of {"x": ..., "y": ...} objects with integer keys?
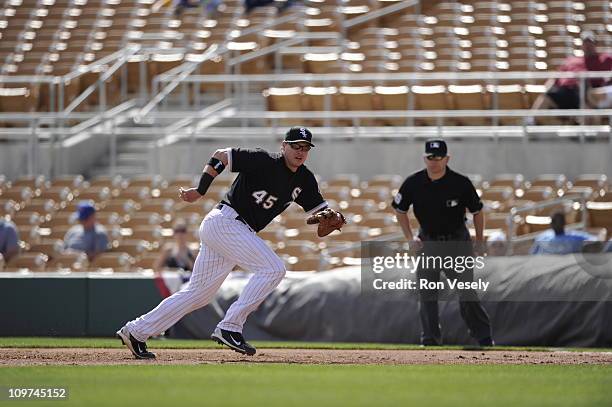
[
  {"x": 9, "y": 239},
  {"x": 564, "y": 93},
  {"x": 250, "y": 5},
  {"x": 209, "y": 5},
  {"x": 558, "y": 241},
  {"x": 88, "y": 236},
  {"x": 176, "y": 254},
  {"x": 497, "y": 244}
]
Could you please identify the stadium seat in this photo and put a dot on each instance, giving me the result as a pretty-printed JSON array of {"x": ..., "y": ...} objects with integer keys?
[
  {"x": 117, "y": 261},
  {"x": 311, "y": 263},
  {"x": 537, "y": 194},
  {"x": 141, "y": 218},
  {"x": 27, "y": 261},
  {"x": 377, "y": 193},
  {"x": 432, "y": 97},
  {"x": 160, "y": 206},
  {"x": 596, "y": 181},
  {"x": 469, "y": 97},
  {"x": 558, "y": 182},
  {"x": 342, "y": 180},
  {"x": 508, "y": 97},
  {"x": 69, "y": 181},
  {"x": 149, "y": 181},
  {"x": 134, "y": 247},
  {"x": 70, "y": 260},
  {"x": 391, "y": 181},
  {"x": 600, "y": 215},
  {"x": 284, "y": 99},
  {"x": 50, "y": 247},
  {"x": 318, "y": 98},
  {"x": 377, "y": 220},
  {"x": 512, "y": 180},
  {"x": 26, "y": 218},
  {"x": 296, "y": 248},
  {"x": 146, "y": 261}
]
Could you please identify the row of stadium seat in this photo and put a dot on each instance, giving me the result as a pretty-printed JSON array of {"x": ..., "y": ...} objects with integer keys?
[{"x": 55, "y": 37}]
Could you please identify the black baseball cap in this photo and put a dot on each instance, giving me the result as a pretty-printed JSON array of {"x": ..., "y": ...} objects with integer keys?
[
  {"x": 297, "y": 134},
  {"x": 436, "y": 148}
]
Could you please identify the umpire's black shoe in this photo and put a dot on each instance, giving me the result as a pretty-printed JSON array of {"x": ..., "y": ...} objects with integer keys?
[
  {"x": 488, "y": 341},
  {"x": 234, "y": 340},
  {"x": 138, "y": 349},
  {"x": 430, "y": 342}
]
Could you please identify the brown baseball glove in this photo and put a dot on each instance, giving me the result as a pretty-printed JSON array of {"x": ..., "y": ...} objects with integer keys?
[{"x": 328, "y": 220}]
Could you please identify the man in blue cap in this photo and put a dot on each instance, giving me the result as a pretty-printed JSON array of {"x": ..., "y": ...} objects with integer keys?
[
  {"x": 9, "y": 239},
  {"x": 88, "y": 236}
]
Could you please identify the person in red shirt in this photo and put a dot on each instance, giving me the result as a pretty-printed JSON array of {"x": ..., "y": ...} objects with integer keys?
[{"x": 564, "y": 93}]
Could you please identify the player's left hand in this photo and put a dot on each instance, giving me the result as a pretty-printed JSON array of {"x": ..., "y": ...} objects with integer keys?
[
  {"x": 189, "y": 195},
  {"x": 328, "y": 220}
]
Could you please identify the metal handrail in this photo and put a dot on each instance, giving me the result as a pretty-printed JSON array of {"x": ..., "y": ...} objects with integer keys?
[
  {"x": 27, "y": 79},
  {"x": 380, "y": 13},
  {"x": 132, "y": 48},
  {"x": 119, "y": 62},
  {"x": 298, "y": 38},
  {"x": 210, "y": 53},
  {"x": 392, "y": 77},
  {"x": 387, "y": 114}
]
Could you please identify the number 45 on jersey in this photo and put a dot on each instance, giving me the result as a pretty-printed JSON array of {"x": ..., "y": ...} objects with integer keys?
[{"x": 264, "y": 199}]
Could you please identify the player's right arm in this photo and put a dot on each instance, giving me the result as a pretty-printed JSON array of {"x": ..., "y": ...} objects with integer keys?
[
  {"x": 401, "y": 203},
  {"x": 214, "y": 167}
]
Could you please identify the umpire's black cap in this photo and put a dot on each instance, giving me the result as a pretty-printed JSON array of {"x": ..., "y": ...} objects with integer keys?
[
  {"x": 436, "y": 148},
  {"x": 297, "y": 134}
]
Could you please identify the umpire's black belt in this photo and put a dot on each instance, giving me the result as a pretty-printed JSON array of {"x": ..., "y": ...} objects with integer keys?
[
  {"x": 220, "y": 206},
  {"x": 458, "y": 235}
]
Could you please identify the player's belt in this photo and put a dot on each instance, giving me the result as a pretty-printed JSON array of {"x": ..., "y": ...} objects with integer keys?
[
  {"x": 458, "y": 235},
  {"x": 220, "y": 206}
]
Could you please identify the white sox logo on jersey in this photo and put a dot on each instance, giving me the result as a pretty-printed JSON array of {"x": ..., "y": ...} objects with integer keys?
[{"x": 296, "y": 192}]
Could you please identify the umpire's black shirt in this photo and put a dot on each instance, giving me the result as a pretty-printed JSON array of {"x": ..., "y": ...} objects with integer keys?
[
  {"x": 439, "y": 205},
  {"x": 265, "y": 186}
]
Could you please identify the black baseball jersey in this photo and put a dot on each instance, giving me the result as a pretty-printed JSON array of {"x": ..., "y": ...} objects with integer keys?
[
  {"x": 265, "y": 186},
  {"x": 439, "y": 205}
]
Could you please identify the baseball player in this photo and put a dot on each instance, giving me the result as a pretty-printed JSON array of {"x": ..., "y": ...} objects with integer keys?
[{"x": 267, "y": 183}]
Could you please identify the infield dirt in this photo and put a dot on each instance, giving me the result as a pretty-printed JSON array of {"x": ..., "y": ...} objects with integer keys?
[{"x": 93, "y": 356}]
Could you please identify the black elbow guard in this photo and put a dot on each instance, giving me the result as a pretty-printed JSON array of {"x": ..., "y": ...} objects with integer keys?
[
  {"x": 205, "y": 180},
  {"x": 216, "y": 164}
]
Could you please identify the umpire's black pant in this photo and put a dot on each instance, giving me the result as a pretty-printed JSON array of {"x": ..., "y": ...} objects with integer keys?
[{"x": 472, "y": 311}]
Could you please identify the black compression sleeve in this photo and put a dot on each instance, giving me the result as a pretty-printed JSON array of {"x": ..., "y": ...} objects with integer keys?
[
  {"x": 216, "y": 164},
  {"x": 205, "y": 180}
]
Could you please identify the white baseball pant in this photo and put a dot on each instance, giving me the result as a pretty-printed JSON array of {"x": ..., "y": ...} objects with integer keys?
[{"x": 224, "y": 243}]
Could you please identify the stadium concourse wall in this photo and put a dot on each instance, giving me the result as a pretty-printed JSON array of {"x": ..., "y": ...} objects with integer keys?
[
  {"x": 76, "y": 155},
  {"x": 366, "y": 157},
  {"x": 371, "y": 157},
  {"x": 532, "y": 300}
]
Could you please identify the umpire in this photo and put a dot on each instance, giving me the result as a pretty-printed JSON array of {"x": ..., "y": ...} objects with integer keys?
[{"x": 440, "y": 197}]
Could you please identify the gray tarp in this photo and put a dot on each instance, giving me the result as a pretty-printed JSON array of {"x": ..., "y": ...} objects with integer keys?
[{"x": 537, "y": 300}]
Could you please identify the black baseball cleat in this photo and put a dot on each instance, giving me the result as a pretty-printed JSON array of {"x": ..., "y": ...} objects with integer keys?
[
  {"x": 138, "y": 349},
  {"x": 234, "y": 340}
]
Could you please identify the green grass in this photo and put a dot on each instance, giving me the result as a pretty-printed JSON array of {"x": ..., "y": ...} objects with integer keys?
[
  {"x": 270, "y": 385},
  {"x": 50, "y": 342}
]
